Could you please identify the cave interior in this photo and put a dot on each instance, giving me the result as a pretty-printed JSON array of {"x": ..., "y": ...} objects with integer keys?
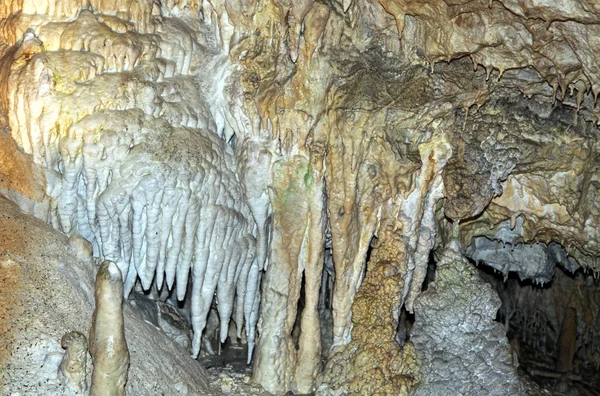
[{"x": 298, "y": 197}]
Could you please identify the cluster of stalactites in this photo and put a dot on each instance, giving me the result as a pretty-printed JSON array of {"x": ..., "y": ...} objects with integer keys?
[
  {"x": 162, "y": 211},
  {"x": 100, "y": 93},
  {"x": 556, "y": 39}
]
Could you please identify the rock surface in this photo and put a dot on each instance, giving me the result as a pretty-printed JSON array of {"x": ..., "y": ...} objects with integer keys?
[
  {"x": 47, "y": 292},
  {"x": 460, "y": 348}
]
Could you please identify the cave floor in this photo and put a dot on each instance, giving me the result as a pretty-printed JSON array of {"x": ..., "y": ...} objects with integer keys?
[
  {"x": 229, "y": 373},
  {"x": 583, "y": 381}
]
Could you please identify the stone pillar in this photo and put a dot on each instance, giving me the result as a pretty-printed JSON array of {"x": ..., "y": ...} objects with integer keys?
[
  {"x": 297, "y": 246},
  {"x": 567, "y": 342},
  {"x": 110, "y": 355}
]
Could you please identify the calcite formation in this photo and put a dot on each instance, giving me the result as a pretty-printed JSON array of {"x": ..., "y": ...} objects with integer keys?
[
  {"x": 108, "y": 347},
  {"x": 372, "y": 363},
  {"x": 457, "y": 312},
  {"x": 234, "y": 154},
  {"x": 72, "y": 369}
]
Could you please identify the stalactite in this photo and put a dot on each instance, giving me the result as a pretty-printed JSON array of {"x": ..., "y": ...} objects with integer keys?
[
  {"x": 297, "y": 246},
  {"x": 226, "y": 151}
]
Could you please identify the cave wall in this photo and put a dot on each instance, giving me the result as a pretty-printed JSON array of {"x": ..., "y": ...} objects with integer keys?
[
  {"x": 216, "y": 141},
  {"x": 537, "y": 317}
]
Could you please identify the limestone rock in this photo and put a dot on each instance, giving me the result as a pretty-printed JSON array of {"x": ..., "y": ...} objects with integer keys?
[
  {"x": 49, "y": 292},
  {"x": 460, "y": 348}
]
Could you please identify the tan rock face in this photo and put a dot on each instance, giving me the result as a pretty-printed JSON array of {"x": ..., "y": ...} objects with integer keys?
[
  {"x": 550, "y": 182},
  {"x": 372, "y": 363},
  {"x": 108, "y": 346},
  {"x": 218, "y": 141},
  {"x": 558, "y": 40}
]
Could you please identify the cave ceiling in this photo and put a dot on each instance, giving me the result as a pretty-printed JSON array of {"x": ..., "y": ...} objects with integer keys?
[{"x": 215, "y": 148}]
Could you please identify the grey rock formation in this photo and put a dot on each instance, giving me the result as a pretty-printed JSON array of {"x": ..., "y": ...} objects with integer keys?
[
  {"x": 460, "y": 348},
  {"x": 506, "y": 251}
]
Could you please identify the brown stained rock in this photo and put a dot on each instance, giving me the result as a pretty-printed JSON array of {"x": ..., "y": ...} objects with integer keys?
[
  {"x": 466, "y": 189},
  {"x": 373, "y": 363},
  {"x": 552, "y": 185},
  {"x": 17, "y": 172},
  {"x": 511, "y": 160}
]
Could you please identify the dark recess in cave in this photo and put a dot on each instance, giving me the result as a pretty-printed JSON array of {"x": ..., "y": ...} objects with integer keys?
[
  {"x": 407, "y": 319},
  {"x": 554, "y": 329}
]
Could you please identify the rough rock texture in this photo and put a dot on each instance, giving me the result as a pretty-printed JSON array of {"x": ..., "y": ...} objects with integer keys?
[
  {"x": 459, "y": 346},
  {"x": 530, "y": 261},
  {"x": 167, "y": 318},
  {"x": 372, "y": 363},
  {"x": 557, "y": 39},
  {"x": 47, "y": 292},
  {"x": 207, "y": 146},
  {"x": 550, "y": 192}
]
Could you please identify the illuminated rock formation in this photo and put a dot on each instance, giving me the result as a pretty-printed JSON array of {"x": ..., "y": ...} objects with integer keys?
[
  {"x": 108, "y": 347},
  {"x": 234, "y": 154}
]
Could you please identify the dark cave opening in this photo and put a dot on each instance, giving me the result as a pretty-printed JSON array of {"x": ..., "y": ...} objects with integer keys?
[
  {"x": 297, "y": 328},
  {"x": 406, "y": 319},
  {"x": 430, "y": 276},
  {"x": 553, "y": 329},
  {"x": 165, "y": 311}
]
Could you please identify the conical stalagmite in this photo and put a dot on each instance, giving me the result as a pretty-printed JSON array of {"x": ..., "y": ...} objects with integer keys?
[{"x": 108, "y": 347}]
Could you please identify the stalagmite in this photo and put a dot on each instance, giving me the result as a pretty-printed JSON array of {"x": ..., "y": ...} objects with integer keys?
[
  {"x": 108, "y": 346},
  {"x": 567, "y": 344},
  {"x": 72, "y": 369},
  {"x": 82, "y": 247},
  {"x": 461, "y": 305}
]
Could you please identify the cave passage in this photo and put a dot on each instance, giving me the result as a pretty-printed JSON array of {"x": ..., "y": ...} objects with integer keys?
[{"x": 553, "y": 329}]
